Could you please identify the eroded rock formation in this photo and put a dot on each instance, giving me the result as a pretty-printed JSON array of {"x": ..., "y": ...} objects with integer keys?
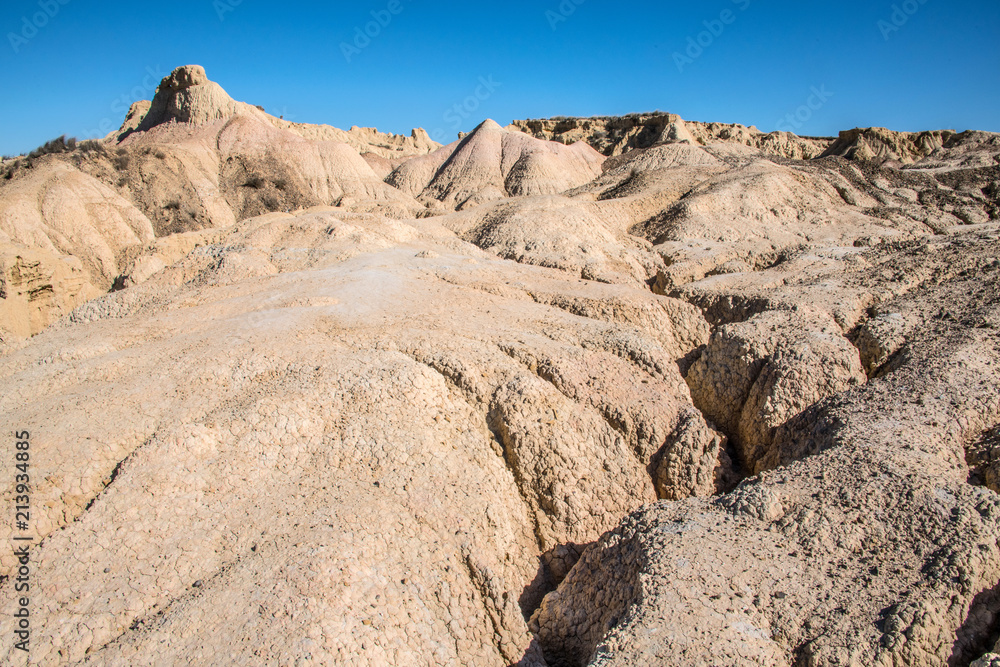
[{"x": 605, "y": 392}]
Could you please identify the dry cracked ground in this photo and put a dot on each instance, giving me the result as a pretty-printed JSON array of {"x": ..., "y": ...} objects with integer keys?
[{"x": 610, "y": 391}]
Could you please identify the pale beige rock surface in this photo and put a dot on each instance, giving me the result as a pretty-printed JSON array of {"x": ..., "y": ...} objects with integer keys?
[
  {"x": 869, "y": 547},
  {"x": 189, "y": 96},
  {"x": 478, "y": 428},
  {"x": 357, "y": 399},
  {"x": 366, "y": 139},
  {"x": 191, "y": 159},
  {"x": 61, "y": 236},
  {"x": 58, "y": 209},
  {"x": 756, "y": 375},
  {"x": 617, "y": 135},
  {"x": 493, "y": 163},
  {"x": 882, "y": 145},
  {"x": 37, "y": 287}
]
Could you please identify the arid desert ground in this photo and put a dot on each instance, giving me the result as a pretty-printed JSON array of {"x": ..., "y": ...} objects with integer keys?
[{"x": 615, "y": 391}]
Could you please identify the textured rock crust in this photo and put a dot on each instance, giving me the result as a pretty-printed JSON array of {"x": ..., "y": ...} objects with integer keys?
[
  {"x": 819, "y": 562},
  {"x": 754, "y": 376},
  {"x": 492, "y": 163},
  {"x": 304, "y": 396},
  {"x": 614, "y": 136},
  {"x": 353, "y": 386}
]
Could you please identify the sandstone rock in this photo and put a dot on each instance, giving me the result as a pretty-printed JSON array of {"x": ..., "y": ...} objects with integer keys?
[
  {"x": 136, "y": 113},
  {"x": 142, "y": 263},
  {"x": 882, "y": 145},
  {"x": 37, "y": 288},
  {"x": 188, "y": 96},
  {"x": 579, "y": 237},
  {"x": 983, "y": 456},
  {"x": 394, "y": 147},
  {"x": 198, "y": 160},
  {"x": 65, "y": 212},
  {"x": 819, "y": 562},
  {"x": 615, "y": 136},
  {"x": 492, "y": 163},
  {"x": 755, "y": 376},
  {"x": 966, "y": 150},
  {"x": 705, "y": 401},
  {"x": 505, "y": 414},
  {"x": 879, "y": 339}
]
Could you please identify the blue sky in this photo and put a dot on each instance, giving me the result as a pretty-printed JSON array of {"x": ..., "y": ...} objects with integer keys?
[{"x": 908, "y": 65}]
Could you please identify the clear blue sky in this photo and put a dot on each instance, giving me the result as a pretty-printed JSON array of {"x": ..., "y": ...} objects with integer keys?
[{"x": 940, "y": 69}]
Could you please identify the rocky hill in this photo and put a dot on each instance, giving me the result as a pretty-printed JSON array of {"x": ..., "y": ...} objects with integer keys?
[
  {"x": 192, "y": 159},
  {"x": 616, "y": 135},
  {"x": 492, "y": 163},
  {"x": 677, "y": 394}
]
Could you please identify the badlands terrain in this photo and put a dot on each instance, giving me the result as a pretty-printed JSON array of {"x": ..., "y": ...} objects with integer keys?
[{"x": 610, "y": 391}]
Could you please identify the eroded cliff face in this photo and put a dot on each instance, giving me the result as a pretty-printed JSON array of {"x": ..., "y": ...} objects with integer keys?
[
  {"x": 702, "y": 402},
  {"x": 616, "y": 135}
]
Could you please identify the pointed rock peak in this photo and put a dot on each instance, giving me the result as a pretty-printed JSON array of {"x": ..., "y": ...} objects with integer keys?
[
  {"x": 488, "y": 124},
  {"x": 677, "y": 132},
  {"x": 187, "y": 95},
  {"x": 182, "y": 78},
  {"x": 136, "y": 113}
]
